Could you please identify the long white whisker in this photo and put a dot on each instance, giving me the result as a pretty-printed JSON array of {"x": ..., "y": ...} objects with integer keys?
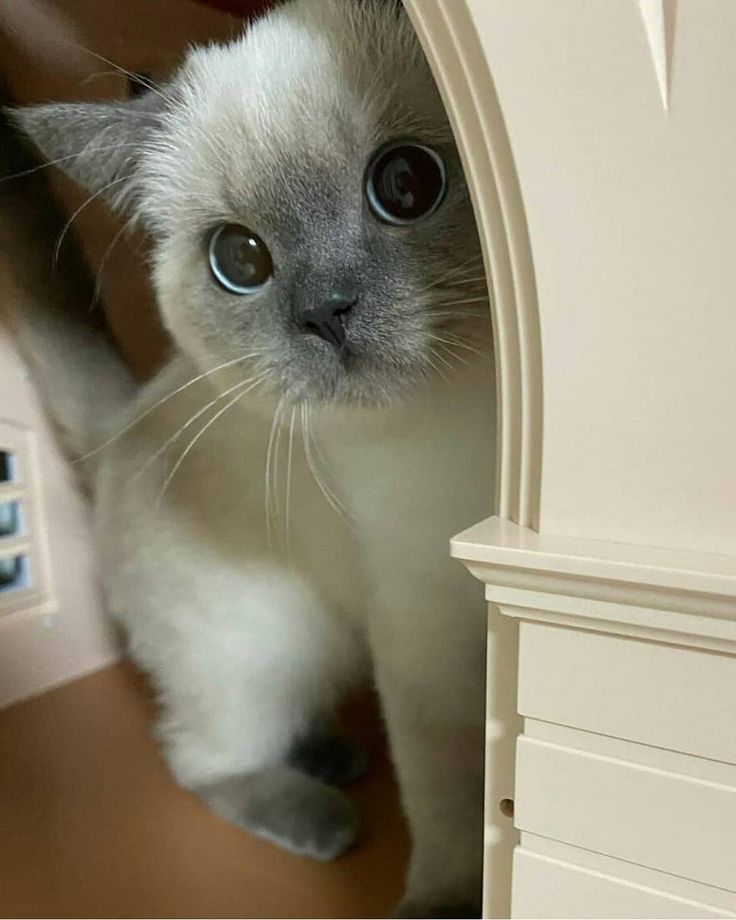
[
  {"x": 444, "y": 360},
  {"x": 64, "y": 159},
  {"x": 197, "y": 437},
  {"x": 474, "y": 260},
  {"x": 325, "y": 466},
  {"x": 128, "y": 73},
  {"x": 103, "y": 262},
  {"x": 288, "y": 481},
  {"x": 435, "y": 368},
  {"x": 190, "y": 421},
  {"x": 459, "y": 303},
  {"x": 276, "y": 466},
  {"x": 332, "y": 500},
  {"x": 458, "y": 343},
  {"x": 476, "y": 314},
  {"x": 271, "y": 511},
  {"x": 157, "y": 405},
  {"x": 454, "y": 355},
  {"x": 85, "y": 204}
]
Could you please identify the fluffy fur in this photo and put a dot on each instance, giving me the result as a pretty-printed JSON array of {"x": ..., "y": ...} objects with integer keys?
[{"x": 273, "y": 530}]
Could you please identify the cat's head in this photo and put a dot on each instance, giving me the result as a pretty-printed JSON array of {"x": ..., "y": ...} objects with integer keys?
[{"x": 305, "y": 200}]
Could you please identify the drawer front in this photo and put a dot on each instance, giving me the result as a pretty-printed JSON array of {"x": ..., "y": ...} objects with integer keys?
[
  {"x": 549, "y": 888},
  {"x": 682, "y": 699},
  {"x": 641, "y": 814}
]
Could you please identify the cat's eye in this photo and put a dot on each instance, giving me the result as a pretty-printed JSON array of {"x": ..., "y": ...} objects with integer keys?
[
  {"x": 239, "y": 259},
  {"x": 405, "y": 182}
]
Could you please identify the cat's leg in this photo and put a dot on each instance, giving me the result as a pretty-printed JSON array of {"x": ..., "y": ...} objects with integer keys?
[
  {"x": 240, "y": 682},
  {"x": 325, "y": 754},
  {"x": 429, "y": 666}
]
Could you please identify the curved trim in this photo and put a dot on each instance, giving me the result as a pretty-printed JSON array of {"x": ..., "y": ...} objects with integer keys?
[{"x": 448, "y": 34}]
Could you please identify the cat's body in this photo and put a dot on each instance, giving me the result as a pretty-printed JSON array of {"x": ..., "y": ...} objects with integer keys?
[
  {"x": 273, "y": 531},
  {"x": 249, "y": 641}
]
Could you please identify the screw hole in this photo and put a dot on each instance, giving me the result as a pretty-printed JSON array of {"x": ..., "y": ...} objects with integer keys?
[{"x": 506, "y": 807}]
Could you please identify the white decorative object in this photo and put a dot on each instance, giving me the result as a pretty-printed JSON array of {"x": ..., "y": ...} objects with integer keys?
[{"x": 609, "y": 233}]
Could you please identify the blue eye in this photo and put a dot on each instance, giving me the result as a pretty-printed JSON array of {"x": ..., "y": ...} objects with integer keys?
[
  {"x": 239, "y": 259},
  {"x": 405, "y": 182}
]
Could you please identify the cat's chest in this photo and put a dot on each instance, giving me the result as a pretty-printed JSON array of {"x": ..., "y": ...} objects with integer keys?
[{"x": 335, "y": 495}]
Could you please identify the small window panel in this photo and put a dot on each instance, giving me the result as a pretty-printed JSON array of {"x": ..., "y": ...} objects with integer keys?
[
  {"x": 7, "y": 467},
  {"x": 10, "y": 522},
  {"x": 25, "y": 569},
  {"x": 14, "y": 573}
]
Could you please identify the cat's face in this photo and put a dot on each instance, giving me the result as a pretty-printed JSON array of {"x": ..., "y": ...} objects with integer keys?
[{"x": 308, "y": 208}]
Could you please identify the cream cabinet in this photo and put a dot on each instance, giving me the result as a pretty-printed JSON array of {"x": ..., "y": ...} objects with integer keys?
[{"x": 600, "y": 141}]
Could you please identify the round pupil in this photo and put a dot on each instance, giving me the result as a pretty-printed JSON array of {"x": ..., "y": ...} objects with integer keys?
[
  {"x": 408, "y": 182},
  {"x": 240, "y": 258}
]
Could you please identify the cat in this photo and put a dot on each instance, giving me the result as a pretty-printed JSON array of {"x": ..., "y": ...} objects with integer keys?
[{"x": 273, "y": 509}]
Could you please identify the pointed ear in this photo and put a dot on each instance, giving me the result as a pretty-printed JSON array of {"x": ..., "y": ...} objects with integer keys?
[{"x": 98, "y": 144}]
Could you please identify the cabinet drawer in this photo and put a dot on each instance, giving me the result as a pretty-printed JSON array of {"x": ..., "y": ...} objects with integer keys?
[
  {"x": 549, "y": 888},
  {"x": 683, "y": 699},
  {"x": 648, "y": 816}
]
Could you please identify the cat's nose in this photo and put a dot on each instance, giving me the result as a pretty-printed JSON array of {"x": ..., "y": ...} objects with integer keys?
[{"x": 327, "y": 320}]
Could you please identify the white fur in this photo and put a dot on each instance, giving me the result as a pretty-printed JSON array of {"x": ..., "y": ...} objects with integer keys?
[{"x": 245, "y": 646}]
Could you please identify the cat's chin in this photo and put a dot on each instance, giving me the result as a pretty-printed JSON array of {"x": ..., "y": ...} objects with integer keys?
[{"x": 363, "y": 385}]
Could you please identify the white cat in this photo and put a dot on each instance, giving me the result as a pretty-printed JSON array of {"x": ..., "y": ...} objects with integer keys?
[{"x": 273, "y": 509}]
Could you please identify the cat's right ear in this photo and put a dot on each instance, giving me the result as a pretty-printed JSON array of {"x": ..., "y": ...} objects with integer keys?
[{"x": 97, "y": 144}]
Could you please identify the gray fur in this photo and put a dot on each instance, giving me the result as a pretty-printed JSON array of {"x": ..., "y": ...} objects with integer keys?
[
  {"x": 329, "y": 757},
  {"x": 288, "y": 808},
  {"x": 287, "y": 159},
  {"x": 99, "y": 145}
]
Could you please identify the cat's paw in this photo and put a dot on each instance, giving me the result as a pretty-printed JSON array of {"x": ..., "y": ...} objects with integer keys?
[
  {"x": 448, "y": 910},
  {"x": 330, "y": 758},
  {"x": 287, "y": 808}
]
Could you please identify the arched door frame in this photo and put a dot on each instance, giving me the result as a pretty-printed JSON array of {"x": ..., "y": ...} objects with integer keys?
[{"x": 450, "y": 40}]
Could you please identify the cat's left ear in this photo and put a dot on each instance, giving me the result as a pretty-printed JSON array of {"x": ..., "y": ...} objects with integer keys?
[{"x": 98, "y": 144}]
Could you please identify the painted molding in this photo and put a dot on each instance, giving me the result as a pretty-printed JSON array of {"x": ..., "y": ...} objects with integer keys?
[
  {"x": 450, "y": 39},
  {"x": 659, "y": 18},
  {"x": 666, "y": 595}
]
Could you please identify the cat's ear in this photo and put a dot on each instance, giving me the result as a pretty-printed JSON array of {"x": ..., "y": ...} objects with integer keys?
[{"x": 98, "y": 144}]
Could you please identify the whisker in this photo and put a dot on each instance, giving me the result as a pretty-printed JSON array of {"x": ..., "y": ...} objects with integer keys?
[
  {"x": 444, "y": 360},
  {"x": 190, "y": 421},
  {"x": 197, "y": 437},
  {"x": 435, "y": 368},
  {"x": 157, "y": 405},
  {"x": 458, "y": 343},
  {"x": 149, "y": 84},
  {"x": 85, "y": 204},
  {"x": 454, "y": 355},
  {"x": 288, "y": 481},
  {"x": 325, "y": 465},
  {"x": 272, "y": 516},
  {"x": 474, "y": 260},
  {"x": 445, "y": 316},
  {"x": 331, "y": 499},
  {"x": 467, "y": 300},
  {"x": 64, "y": 159},
  {"x": 103, "y": 262}
]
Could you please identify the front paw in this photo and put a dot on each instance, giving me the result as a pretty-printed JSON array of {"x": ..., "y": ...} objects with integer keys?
[{"x": 287, "y": 808}]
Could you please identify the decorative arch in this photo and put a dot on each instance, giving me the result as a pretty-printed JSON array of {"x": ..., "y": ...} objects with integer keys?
[{"x": 450, "y": 39}]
